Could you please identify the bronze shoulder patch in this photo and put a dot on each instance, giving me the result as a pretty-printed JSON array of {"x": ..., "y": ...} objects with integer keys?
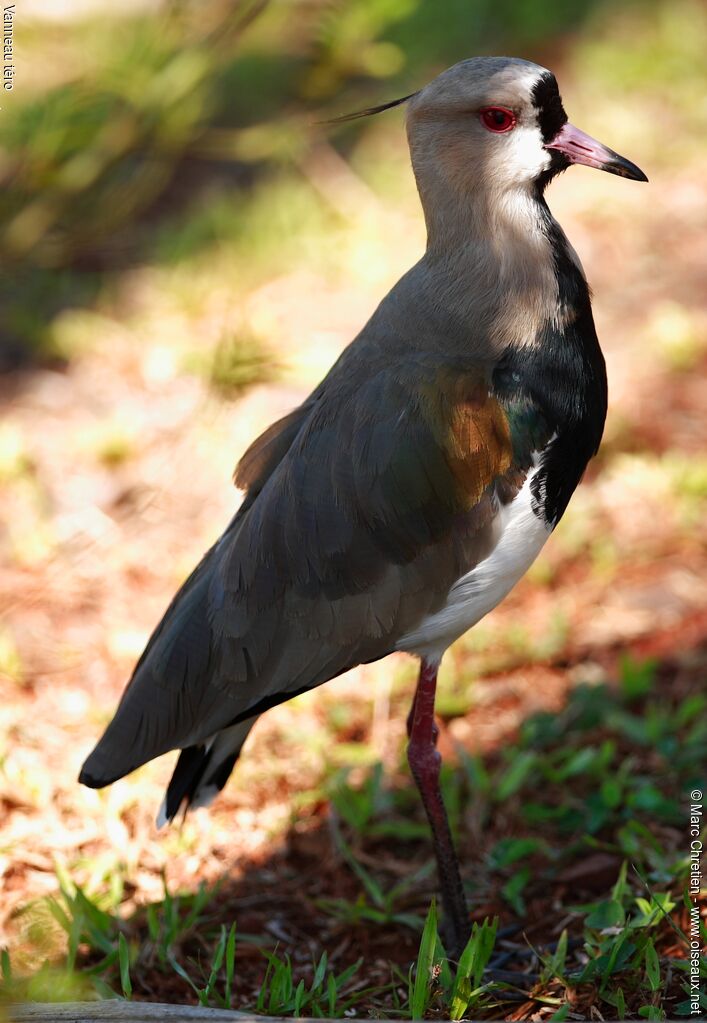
[{"x": 472, "y": 430}]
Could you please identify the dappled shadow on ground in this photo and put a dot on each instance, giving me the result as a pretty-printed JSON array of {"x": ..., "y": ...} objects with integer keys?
[{"x": 547, "y": 826}]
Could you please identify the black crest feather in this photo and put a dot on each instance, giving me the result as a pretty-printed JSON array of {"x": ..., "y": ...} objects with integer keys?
[{"x": 369, "y": 111}]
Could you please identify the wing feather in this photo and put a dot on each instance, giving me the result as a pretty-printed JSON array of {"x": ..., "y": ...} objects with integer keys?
[{"x": 363, "y": 507}]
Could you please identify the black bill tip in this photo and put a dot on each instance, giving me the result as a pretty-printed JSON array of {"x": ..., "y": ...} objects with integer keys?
[{"x": 624, "y": 168}]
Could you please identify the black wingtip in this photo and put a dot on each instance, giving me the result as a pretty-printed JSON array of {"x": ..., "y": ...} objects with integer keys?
[{"x": 91, "y": 782}]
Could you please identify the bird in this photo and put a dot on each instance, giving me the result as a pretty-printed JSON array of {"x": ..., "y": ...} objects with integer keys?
[{"x": 415, "y": 486}]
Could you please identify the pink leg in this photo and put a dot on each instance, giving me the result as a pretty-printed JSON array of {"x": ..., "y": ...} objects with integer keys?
[{"x": 425, "y": 764}]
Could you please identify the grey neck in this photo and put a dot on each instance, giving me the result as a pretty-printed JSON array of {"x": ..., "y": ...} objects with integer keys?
[{"x": 488, "y": 271}]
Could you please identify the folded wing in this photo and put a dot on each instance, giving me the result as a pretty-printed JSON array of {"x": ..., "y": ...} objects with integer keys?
[{"x": 362, "y": 508}]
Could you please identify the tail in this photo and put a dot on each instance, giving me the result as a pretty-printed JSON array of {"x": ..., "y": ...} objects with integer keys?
[{"x": 202, "y": 771}]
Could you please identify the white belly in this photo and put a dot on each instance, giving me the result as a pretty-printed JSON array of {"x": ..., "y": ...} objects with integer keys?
[{"x": 522, "y": 535}]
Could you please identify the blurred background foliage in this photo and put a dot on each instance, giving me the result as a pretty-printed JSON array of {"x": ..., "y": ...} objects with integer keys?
[{"x": 137, "y": 136}]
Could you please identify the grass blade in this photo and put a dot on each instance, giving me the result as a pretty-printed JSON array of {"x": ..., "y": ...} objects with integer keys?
[
  {"x": 230, "y": 963},
  {"x": 472, "y": 963},
  {"x": 124, "y": 963},
  {"x": 420, "y": 994}
]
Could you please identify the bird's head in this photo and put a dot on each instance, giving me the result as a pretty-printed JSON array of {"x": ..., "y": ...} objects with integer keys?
[{"x": 497, "y": 124}]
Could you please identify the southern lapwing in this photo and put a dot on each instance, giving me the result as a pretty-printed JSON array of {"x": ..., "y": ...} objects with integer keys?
[{"x": 419, "y": 481}]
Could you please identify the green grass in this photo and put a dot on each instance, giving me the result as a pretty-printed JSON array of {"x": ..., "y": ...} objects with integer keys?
[
  {"x": 234, "y": 365},
  {"x": 432, "y": 983},
  {"x": 603, "y": 781}
]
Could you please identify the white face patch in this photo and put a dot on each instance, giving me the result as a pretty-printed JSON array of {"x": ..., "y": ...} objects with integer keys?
[
  {"x": 525, "y": 155},
  {"x": 519, "y": 157}
]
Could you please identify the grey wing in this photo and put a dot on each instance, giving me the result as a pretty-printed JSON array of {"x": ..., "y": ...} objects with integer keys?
[{"x": 356, "y": 531}]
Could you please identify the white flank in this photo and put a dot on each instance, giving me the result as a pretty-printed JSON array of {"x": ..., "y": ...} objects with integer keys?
[{"x": 521, "y": 537}]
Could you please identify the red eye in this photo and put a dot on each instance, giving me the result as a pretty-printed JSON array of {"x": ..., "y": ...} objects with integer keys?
[{"x": 498, "y": 119}]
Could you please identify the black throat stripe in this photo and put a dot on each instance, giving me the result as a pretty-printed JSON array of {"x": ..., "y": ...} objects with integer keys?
[{"x": 548, "y": 102}]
